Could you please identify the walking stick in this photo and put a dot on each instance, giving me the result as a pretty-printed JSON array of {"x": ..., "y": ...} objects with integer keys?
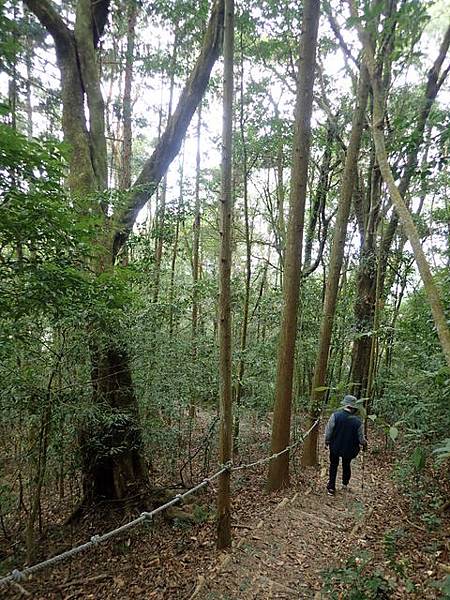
[{"x": 363, "y": 462}]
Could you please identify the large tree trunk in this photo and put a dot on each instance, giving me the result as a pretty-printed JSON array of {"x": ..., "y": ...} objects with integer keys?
[
  {"x": 279, "y": 468},
  {"x": 367, "y": 275},
  {"x": 225, "y": 215},
  {"x": 169, "y": 145},
  {"x": 111, "y": 448},
  {"x": 396, "y": 197},
  {"x": 349, "y": 176},
  {"x": 111, "y": 444},
  {"x": 366, "y": 292}
]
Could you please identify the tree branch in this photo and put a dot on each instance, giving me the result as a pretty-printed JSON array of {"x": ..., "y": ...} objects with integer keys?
[
  {"x": 84, "y": 34},
  {"x": 48, "y": 15},
  {"x": 167, "y": 148},
  {"x": 345, "y": 49},
  {"x": 100, "y": 11},
  {"x": 433, "y": 84}
]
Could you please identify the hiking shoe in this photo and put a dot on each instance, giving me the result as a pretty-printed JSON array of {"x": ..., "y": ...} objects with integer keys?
[{"x": 330, "y": 492}]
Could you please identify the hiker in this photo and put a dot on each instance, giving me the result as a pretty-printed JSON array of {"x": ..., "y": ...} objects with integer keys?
[{"x": 344, "y": 435}]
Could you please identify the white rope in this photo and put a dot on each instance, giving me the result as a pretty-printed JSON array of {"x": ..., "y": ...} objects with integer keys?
[
  {"x": 17, "y": 575},
  {"x": 266, "y": 460}
]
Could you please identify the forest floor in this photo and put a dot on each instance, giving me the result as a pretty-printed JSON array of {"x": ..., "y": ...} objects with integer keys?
[{"x": 297, "y": 544}]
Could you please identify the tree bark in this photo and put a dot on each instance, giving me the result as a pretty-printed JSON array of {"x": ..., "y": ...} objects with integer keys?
[
  {"x": 127, "y": 142},
  {"x": 349, "y": 176},
  {"x": 225, "y": 214},
  {"x": 278, "y": 476},
  {"x": 396, "y": 196},
  {"x": 90, "y": 82},
  {"x": 248, "y": 264},
  {"x": 112, "y": 463},
  {"x": 169, "y": 144}
]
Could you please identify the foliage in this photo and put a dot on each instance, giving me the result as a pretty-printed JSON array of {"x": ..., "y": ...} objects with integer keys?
[
  {"x": 422, "y": 406},
  {"x": 53, "y": 306},
  {"x": 356, "y": 581},
  {"x": 443, "y": 452},
  {"x": 8, "y": 36},
  {"x": 44, "y": 240}
]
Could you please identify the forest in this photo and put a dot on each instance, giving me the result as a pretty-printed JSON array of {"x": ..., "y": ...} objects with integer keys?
[{"x": 224, "y": 227}]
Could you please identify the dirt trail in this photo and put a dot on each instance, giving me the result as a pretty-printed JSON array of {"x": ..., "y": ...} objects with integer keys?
[
  {"x": 281, "y": 555},
  {"x": 283, "y": 544},
  {"x": 285, "y": 553}
]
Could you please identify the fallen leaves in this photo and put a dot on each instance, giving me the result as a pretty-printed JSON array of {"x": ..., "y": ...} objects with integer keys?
[{"x": 282, "y": 543}]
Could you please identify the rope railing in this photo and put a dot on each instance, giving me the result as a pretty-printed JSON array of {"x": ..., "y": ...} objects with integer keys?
[
  {"x": 17, "y": 575},
  {"x": 266, "y": 460}
]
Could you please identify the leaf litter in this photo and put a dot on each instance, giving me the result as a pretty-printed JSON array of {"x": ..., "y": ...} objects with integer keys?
[{"x": 284, "y": 543}]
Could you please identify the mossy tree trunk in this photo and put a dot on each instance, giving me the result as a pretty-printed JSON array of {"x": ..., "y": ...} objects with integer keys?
[{"x": 111, "y": 449}]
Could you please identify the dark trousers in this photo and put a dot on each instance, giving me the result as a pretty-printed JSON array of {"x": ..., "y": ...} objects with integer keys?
[{"x": 346, "y": 470}]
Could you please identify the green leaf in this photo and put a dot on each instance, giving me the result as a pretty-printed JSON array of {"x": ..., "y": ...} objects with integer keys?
[
  {"x": 418, "y": 458},
  {"x": 321, "y": 388},
  {"x": 393, "y": 433}
]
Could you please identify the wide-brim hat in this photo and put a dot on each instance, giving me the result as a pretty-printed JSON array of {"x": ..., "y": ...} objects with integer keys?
[{"x": 350, "y": 401}]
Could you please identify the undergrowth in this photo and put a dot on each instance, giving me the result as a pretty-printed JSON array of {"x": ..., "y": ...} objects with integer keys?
[{"x": 357, "y": 580}]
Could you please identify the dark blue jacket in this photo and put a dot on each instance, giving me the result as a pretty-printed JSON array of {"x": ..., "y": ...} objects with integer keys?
[{"x": 344, "y": 434}]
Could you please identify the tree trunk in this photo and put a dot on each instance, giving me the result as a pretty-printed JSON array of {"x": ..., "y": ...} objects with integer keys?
[
  {"x": 175, "y": 246},
  {"x": 196, "y": 232},
  {"x": 29, "y": 69},
  {"x": 196, "y": 257},
  {"x": 161, "y": 219},
  {"x": 366, "y": 293},
  {"x": 396, "y": 197},
  {"x": 168, "y": 146},
  {"x": 309, "y": 456},
  {"x": 127, "y": 151},
  {"x": 112, "y": 464},
  {"x": 279, "y": 468},
  {"x": 248, "y": 264},
  {"x": 321, "y": 194},
  {"x": 280, "y": 198},
  {"x": 225, "y": 215}
]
